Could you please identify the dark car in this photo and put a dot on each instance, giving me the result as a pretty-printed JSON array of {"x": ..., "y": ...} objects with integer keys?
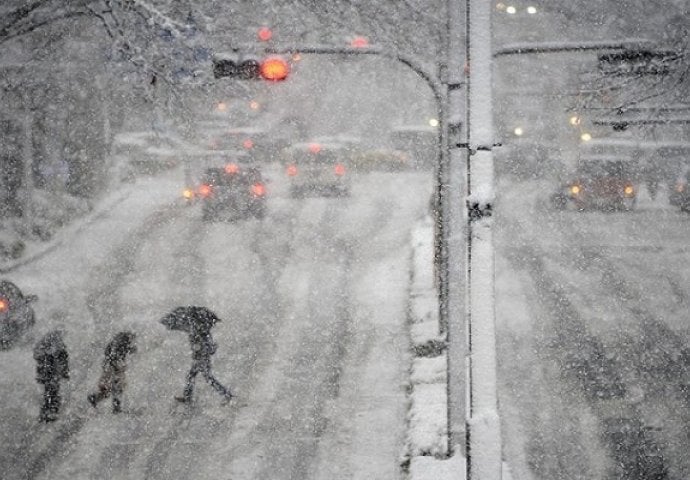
[
  {"x": 318, "y": 168},
  {"x": 233, "y": 192},
  {"x": 598, "y": 183},
  {"x": 16, "y": 314}
]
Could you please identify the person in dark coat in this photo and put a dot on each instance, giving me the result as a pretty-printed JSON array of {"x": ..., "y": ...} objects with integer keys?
[
  {"x": 203, "y": 347},
  {"x": 112, "y": 382},
  {"x": 52, "y": 365}
]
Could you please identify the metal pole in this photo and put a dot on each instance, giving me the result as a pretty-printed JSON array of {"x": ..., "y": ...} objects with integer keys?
[
  {"x": 452, "y": 212},
  {"x": 483, "y": 423}
]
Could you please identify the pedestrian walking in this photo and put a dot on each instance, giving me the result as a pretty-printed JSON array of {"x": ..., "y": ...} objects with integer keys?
[
  {"x": 52, "y": 366},
  {"x": 113, "y": 381},
  {"x": 197, "y": 322}
]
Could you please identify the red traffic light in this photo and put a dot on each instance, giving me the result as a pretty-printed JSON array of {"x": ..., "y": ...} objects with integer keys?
[
  {"x": 274, "y": 69},
  {"x": 265, "y": 34}
]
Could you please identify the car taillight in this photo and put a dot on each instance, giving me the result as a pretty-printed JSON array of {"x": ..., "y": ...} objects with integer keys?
[
  {"x": 292, "y": 170},
  {"x": 258, "y": 190},
  {"x": 248, "y": 144},
  {"x": 231, "y": 168},
  {"x": 4, "y": 305},
  {"x": 188, "y": 193},
  {"x": 340, "y": 169},
  {"x": 205, "y": 190},
  {"x": 629, "y": 191}
]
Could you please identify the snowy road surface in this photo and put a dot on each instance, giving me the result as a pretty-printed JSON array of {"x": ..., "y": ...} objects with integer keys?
[
  {"x": 593, "y": 335},
  {"x": 313, "y": 339}
]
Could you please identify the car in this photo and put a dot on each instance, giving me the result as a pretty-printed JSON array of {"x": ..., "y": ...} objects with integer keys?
[
  {"x": 679, "y": 188},
  {"x": 233, "y": 191},
  {"x": 317, "y": 168},
  {"x": 197, "y": 160},
  {"x": 16, "y": 313},
  {"x": 604, "y": 183}
]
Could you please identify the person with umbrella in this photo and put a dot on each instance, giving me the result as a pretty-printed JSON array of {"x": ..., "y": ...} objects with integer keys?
[{"x": 197, "y": 322}]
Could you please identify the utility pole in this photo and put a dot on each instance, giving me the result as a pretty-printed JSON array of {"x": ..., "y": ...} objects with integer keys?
[
  {"x": 454, "y": 299},
  {"x": 472, "y": 395}
]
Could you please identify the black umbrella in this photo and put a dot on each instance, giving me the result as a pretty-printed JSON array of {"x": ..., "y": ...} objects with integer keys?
[{"x": 189, "y": 319}]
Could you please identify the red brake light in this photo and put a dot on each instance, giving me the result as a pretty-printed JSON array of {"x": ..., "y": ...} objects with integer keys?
[
  {"x": 248, "y": 144},
  {"x": 4, "y": 305},
  {"x": 205, "y": 190},
  {"x": 359, "y": 42},
  {"x": 340, "y": 169},
  {"x": 292, "y": 170},
  {"x": 314, "y": 148},
  {"x": 231, "y": 168},
  {"x": 258, "y": 190}
]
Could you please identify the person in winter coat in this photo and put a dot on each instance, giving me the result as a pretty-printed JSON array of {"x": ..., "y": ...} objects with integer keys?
[
  {"x": 52, "y": 365},
  {"x": 112, "y": 382},
  {"x": 203, "y": 347}
]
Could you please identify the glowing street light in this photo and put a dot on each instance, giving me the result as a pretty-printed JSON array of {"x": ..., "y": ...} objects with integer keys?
[
  {"x": 574, "y": 120},
  {"x": 531, "y": 10},
  {"x": 433, "y": 122},
  {"x": 586, "y": 137},
  {"x": 511, "y": 10},
  {"x": 518, "y": 131}
]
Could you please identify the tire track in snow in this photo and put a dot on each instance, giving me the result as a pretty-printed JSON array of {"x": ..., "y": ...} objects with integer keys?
[{"x": 594, "y": 365}]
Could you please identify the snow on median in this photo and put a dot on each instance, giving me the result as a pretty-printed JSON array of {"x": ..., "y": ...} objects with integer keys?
[{"x": 426, "y": 448}]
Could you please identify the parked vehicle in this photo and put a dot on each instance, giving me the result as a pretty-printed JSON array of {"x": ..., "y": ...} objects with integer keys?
[{"x": 16, "y": 313}]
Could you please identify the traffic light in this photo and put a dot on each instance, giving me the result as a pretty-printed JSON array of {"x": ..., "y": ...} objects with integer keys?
[
  {"x": 274, "y": 68},
  {"x": 250, "y": 67}
]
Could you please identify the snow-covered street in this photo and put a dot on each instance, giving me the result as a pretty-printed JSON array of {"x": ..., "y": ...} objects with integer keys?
[
  {"x": 313, "y": 340},
  {"x": 592, "y": 337}
]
